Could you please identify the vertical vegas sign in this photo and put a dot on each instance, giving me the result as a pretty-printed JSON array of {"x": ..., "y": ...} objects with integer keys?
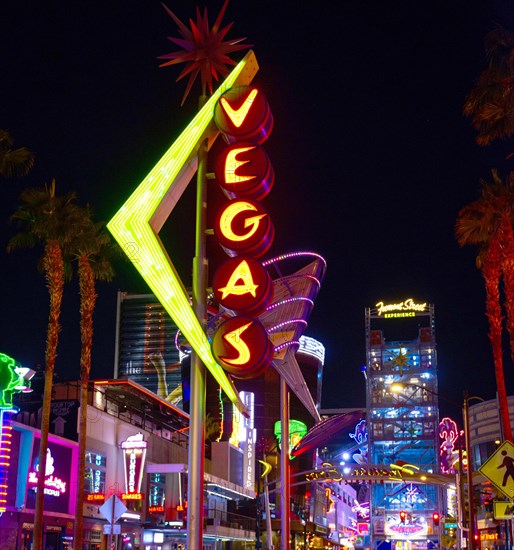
[{"x": 244, "y": 230}]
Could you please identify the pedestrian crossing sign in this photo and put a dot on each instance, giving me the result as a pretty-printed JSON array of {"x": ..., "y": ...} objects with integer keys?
[
  {"x": 499, "y": 469},
  {"x": 503, "y": 510}
]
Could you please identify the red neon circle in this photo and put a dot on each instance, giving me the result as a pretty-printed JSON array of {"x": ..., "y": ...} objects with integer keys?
[
  {"x": 245, "y": 170},
  {"x": 244, "y": 227},
  {"x": 242, "y": 113},
  {"x": 244, "y": 354},
  {"x": 242, "y": 285}
]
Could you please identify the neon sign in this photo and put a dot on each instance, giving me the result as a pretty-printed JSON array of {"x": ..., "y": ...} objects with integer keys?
[
  {"x": 241, "y": 284},
  {"x": 137, "y": 223},
  {"x": 449, "y": 434},
  {"x": 95, "y": 497},
  {"x": 241, "y": 345},
  {"x": 244, "y": 168},
  {"x": 131, "y": 496},
  {"x": 134, "y": 448},
  {"x": 54, "y": 486},
  {"x": 297, "y": 431},
  {"x": 243, "y": 114},
  {"x": 243, "y": 228},
  {"x": 406, "y": 531},
  {"x": 155, "y": 509},
  {"x": 406, "y": 308}
]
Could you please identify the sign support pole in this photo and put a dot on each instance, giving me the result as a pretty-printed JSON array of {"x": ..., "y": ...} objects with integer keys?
[
  {"x": 471, "y": 504},
  {"x": 285, "y": 503},
  {"x": 196, "y": 451}
]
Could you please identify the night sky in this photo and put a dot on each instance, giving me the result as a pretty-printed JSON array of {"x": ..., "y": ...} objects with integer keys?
[{"x": 372, "y": 154}]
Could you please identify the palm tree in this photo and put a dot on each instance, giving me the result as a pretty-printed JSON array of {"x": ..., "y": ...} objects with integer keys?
[
  {"x": 14, "y": 162},
  {"x": 490, "y": 104},
  {"x": 47, "y": 219},
  {"x": 93, "y": 250},
  {"x": 487, "y": 223}
]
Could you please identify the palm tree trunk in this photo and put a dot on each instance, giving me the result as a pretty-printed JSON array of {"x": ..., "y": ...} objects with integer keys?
[
  {"x": 87, "y": 305},
  {"x": 491, "y": 272},
  {"x": 54, "y": 274}
]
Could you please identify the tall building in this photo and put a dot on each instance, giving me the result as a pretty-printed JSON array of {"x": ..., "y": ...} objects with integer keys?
[
  {"x": 146, "y": 350},
  {"x": 401, "y": 395}
]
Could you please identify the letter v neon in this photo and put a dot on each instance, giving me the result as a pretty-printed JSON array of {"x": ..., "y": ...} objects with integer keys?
[
  {"x": 137, "y": 224},
  {"x": 238, "y": 116}
]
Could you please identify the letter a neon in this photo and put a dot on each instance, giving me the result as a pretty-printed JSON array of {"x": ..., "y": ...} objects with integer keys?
[
  {"x": 241, "y": 273},
  {"x": 238, "y": 116}
]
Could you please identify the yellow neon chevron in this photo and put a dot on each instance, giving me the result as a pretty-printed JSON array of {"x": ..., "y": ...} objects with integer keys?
[
  {"x": 137, "y": 224},
  {"x": 238, "y": 116},
  {"x": 235, "y": 340}
]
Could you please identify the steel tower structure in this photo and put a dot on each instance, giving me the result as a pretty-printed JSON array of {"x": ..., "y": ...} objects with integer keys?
[{"x": 403, "y": 420}]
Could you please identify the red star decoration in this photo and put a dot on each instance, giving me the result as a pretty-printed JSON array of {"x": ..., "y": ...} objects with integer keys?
[{"x": 203, "y": 50}]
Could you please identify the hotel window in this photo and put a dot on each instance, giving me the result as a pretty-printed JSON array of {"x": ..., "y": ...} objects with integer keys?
[{"x": 95, "y": 473}]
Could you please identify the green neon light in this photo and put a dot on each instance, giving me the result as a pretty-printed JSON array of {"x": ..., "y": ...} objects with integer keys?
[
  {"x": 11, "y": 381},
  {"x": 297, "y": 431},
  {"x": 137, "y": 224}
]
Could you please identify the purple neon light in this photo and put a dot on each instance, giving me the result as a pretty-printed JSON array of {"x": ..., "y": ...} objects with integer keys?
[
  {"x": 293, "y": 255},
  {"x": 286, "y": 345},
  {"x": 289, "y": 300},
  {"x": 289, "y": 322}
]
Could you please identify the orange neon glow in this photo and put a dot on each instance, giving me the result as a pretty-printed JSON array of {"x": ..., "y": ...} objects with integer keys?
[
  {"x": 231, "y": 212},
  {"x": 235, "y": 340},
  {"x": 238, "y": 116},
  {"x": 132, "y": 496},
  {"x": 232, "y": 164},
  {"x": 242, "y": 273}
]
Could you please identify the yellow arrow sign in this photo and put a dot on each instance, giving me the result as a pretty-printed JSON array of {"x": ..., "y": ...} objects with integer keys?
[
  {"x": 499, "y": 469},
  {"x": 137, "y": 224}
]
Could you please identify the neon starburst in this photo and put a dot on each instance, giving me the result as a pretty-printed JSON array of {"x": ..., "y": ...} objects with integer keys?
[{"x": 204, "y": 50}]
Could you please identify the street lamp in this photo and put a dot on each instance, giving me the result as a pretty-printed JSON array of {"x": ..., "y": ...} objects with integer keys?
[{"x": 397, "y": 388}]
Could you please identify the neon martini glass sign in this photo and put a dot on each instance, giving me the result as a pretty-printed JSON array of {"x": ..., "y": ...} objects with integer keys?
[
  {"x": 12, "y": 380},
  {"x": 137, "y": 224}
]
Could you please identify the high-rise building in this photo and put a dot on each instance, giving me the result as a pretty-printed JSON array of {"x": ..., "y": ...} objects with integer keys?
[
  {"x": 146, "y": 350},
  {"x": 403, "y": 420}
]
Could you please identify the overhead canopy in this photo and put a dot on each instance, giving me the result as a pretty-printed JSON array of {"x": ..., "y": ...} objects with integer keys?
[{"x": 144, "y": 403}]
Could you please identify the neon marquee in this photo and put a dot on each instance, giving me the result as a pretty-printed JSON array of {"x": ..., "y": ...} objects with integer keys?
[{"x": 408, "y": 305}]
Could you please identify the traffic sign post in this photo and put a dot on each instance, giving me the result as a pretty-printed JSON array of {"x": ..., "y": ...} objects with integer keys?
[
  {"x": 112, "y": 509},
  {"x": 499, "y": 469}
]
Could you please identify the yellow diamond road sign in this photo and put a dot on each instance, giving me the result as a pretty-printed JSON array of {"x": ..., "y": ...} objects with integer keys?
[
  {"x": 499, "y": 469},
  {"x": 503, "y": 510}
]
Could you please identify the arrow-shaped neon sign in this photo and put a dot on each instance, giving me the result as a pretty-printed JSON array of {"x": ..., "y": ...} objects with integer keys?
[{"x": 137, "y": 224}]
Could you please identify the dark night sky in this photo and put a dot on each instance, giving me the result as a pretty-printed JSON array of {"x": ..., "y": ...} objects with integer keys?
[{"x": 373, "y": 157}]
